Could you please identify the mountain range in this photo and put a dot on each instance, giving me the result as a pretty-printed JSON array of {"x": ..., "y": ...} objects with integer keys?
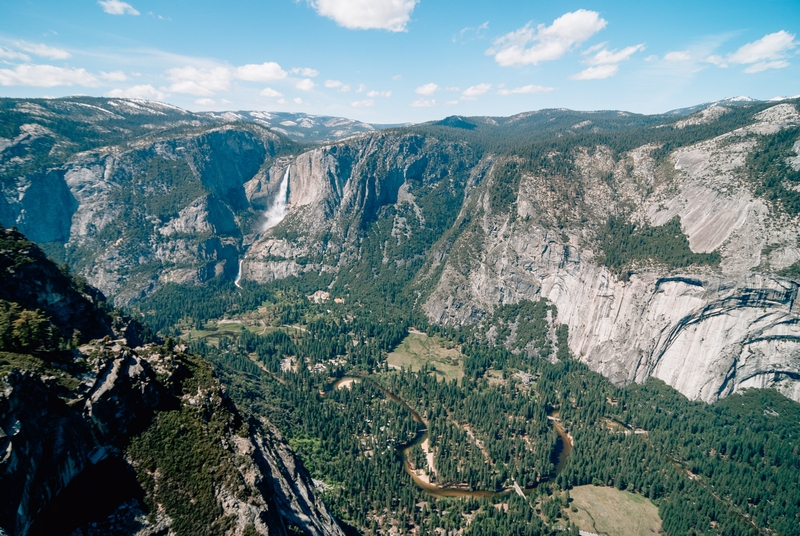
[{"x": 664, "y": 241}]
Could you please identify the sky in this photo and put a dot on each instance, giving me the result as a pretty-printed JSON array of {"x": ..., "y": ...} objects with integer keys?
[{"x": 401, "y": 61}]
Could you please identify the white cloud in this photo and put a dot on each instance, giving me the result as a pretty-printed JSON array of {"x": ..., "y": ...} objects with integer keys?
[
  {"x": 594, "y": 48},
  {"x": 374, "y": 93},
  {"x": 716, "y": 59},
  {"x": 8, "y": 54},
  {"x": 43, "y": 50},
  {"x": 596, "y": 73},
  {"x": 361, "y": 88},
  {"x": 334, "y": 84},
  {"x": 424, "y": 103},
  {"x": 604, "y": 62},
  {"x": 427, "y": 89},
  {"x": 451, "y": 102},
  {"x": 281, "y": 101},
  {"x": 397, "y": 77},
  {"x": 605, "y": 56},
  {"x": 476, "y": 91},
  {"x": 392, "y": 15},
  {"x": 771, "y": 47},
  {"x": 298, "y": 100},
  {"x": 769, "y": 52},
  {"x": 550, "y": 42},
  {"x": 138, "y": 92},
  {"x": 114, "y": 76},
  {"x": 367, "y": 103},
  {"x": 306, "y": 84},
  {"x": 46, "y": 76},
  {"x": 305, "y": 71},
  {"x": 525, "y": 90},
  {"x": 269, "y": 92},
  {"x": 205, "y": 102},
  {"x": 262, "y": 72},
  {"x": 651, "y": 57},
  {"x": 116, "y": 7},
  {"x": 452, "y": 88},
  {"x": 764, "y": 65},
  {"x": 679, "y": 55},
  {"x": 203, "y": 82}
]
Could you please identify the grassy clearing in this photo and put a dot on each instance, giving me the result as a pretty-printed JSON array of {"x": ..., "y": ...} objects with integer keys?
[
  {"x": 418, "y": 350},
  {"x": 212, "y": 333},
  {"x": 607, "y": 510}
]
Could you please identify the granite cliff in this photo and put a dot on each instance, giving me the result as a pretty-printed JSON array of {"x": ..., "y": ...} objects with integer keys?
[
  {"x": 468, "y": 214},
  {"x": 121, "y": 436}
]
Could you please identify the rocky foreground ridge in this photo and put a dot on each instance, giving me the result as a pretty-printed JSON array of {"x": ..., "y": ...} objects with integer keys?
[
  {"x": 98, "y": 437},
  {"x": 469, "y": 214}
]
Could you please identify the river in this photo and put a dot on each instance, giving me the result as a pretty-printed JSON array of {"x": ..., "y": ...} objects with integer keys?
[{"x": 563, "y": 448}]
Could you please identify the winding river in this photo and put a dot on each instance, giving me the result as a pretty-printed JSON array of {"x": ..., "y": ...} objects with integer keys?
[{"x": 563, "y": 448}]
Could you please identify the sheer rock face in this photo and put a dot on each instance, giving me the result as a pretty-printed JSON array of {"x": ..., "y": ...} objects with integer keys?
[
  {"x": 71, "y": 420},
  {"x": 706, "y": 332},
  {"x": 50, "y": 439}
]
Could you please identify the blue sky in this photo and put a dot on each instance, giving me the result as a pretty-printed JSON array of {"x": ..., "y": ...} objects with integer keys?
[{"x": 393, "y": 61}]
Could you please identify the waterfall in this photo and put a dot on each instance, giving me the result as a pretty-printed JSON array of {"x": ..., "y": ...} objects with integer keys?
[
  {"x": 238, "y": 275},
  {"x": 278, "y": 210}
]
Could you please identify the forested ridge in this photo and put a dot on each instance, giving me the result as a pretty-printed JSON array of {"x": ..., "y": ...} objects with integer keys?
[
  {"x": 730, "y": 468},
  {"x": 487, "y": 397}
]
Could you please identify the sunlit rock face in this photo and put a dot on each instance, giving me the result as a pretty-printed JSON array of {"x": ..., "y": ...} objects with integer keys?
[{"x": 210, "y": 200}]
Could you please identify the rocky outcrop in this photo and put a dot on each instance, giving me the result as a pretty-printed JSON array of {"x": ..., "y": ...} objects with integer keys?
[
  {"x": 706, "y": 332},
  {"x": 53, "y": 439},
  {"x": 90, "y": 438}
]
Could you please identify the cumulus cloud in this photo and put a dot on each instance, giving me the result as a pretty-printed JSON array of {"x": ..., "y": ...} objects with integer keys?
[
  {"x": 116, "y": 7},
  {"x": 203, "y": 82},
  {"x": 391, "y": 15},
  {"x": 769, "y": 52},
  {"x": 8, "y": 54},
  {"x": 424, "y": 103},
  {"x": 46, "y": 76},
  {"x": 770, "y": 47},
  {"x": 374, "y": 93},
  {"x": 367, "y": 103},
  {"x": 530, "y": 45},
  {"x": 530, "y": 89},
  {"x": 305, "y": 71},
  {"x": 427, "y": 89},
  {"x": 138, "y": 92},
  {"x": 43, "y": 50},
  {"x": 306, "y": 84},
  {"x": 205, "y": 102},
  {"x": 596, "y": 73},
  {"x": 336, "y": 84},
  {"x": 476, "y": 91},
  {"x": 262, "y": 72},
  {"x": 297, "y": 100},
  {"x": 269, "y": 92},
  {"x": 114, "y": 76},
  {"x": 604, "y": 62},
  {"x": 679, "y": 55}
]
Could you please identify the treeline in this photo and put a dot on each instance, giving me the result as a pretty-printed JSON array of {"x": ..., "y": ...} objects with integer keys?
[{"x": 625, "y": 244}]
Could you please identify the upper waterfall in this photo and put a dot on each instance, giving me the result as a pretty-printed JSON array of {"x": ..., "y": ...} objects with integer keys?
[{"x": 275, "y": 214}]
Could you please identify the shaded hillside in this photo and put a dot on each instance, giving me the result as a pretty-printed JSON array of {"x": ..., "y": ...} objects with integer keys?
[{"x": 99, "y": 437}]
